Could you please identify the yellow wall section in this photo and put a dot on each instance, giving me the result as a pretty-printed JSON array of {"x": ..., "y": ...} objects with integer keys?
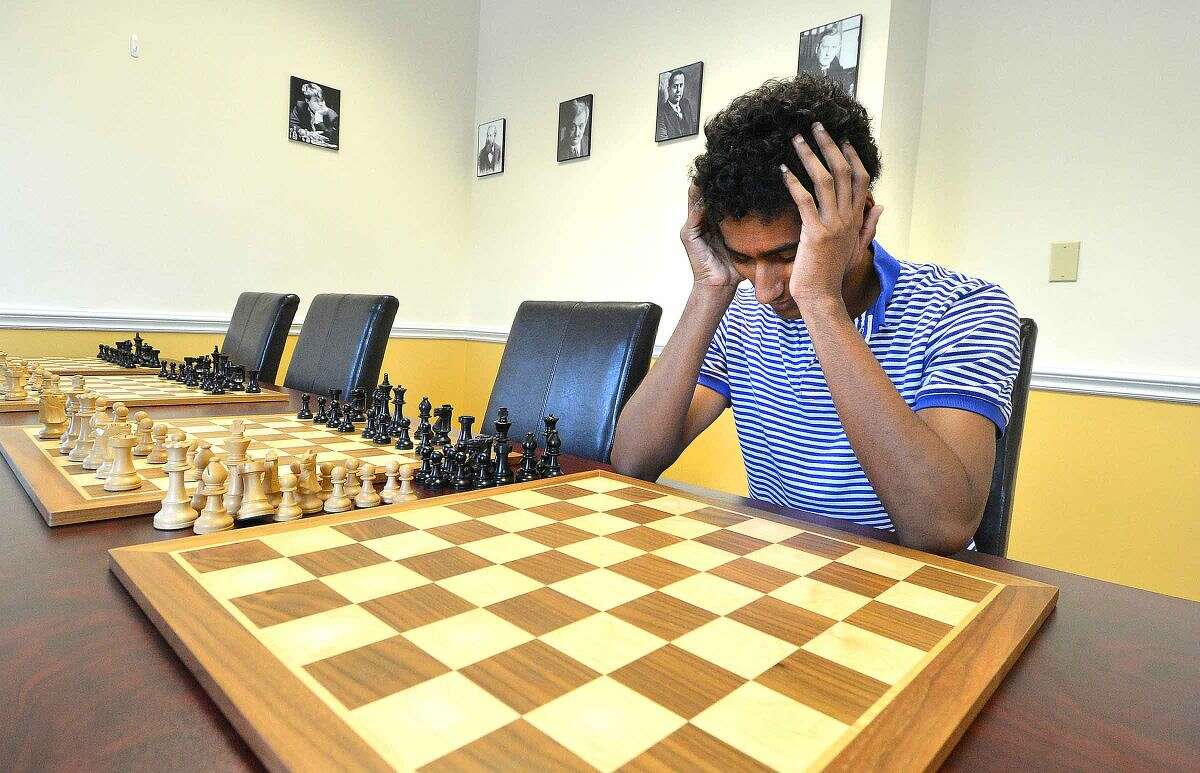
[{"x": 1107, "y": 487}]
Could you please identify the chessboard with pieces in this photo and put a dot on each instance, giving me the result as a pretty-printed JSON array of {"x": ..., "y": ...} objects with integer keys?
[
  {"x": 65, "y": 492},
  {"x": 592, "y": 622},
  {"x": 143, "y": 391},
  {"x": 86, "y": 366}
]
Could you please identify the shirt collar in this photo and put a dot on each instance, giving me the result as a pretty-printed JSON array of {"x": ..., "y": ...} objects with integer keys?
[{"x": 888, "y": 270}]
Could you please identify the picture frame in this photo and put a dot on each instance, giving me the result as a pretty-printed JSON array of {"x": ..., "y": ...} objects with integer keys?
[
  {"x": 314, "y": 113},
  {"x": 677, "y": 112},
  {"x": 575, "y": 128},
  {"x": 490, "y": 142},
  {"x": 832, "y": 50}
]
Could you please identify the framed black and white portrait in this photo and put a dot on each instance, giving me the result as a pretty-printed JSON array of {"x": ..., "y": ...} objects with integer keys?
[
  {"x": 490, "y": 141},
  {"x": 679, "y": 102},
  {"x": 315, "y": 113},
  {"x": 831, "y": 50},
  {"x": 575, "y": 128}
]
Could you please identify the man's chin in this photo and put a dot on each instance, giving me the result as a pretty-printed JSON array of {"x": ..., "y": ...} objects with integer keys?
[{"x": 788, "y": 311}]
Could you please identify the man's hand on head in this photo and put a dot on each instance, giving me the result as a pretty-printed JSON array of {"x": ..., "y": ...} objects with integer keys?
[
  {"x": 711, "y": 266},
  {"x": 836, "y": 226}
]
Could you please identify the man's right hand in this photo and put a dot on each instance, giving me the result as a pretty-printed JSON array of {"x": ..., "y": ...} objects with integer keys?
[{"x": 711, "y": 266}]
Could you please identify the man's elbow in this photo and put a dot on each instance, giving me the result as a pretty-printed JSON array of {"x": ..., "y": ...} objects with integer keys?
[
  {"x": 950, "y": 531},
  {"x": 632, "y": 464}
]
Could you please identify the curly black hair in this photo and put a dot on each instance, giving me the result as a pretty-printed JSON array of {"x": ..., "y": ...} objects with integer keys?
[{"x": 738, "y": 174}]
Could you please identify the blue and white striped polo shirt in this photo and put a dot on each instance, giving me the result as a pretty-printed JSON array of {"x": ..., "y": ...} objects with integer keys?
[{"x": 944, "y": 339}]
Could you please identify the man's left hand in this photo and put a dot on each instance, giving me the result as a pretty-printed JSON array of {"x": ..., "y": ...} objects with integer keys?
[{"x": 835, "y": 227}]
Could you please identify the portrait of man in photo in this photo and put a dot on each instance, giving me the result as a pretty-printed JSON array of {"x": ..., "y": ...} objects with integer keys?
[
  {"x": 575, "y": 128},
  {"x": 314, "y": 116},
  {"x": 679, "y": 102}
]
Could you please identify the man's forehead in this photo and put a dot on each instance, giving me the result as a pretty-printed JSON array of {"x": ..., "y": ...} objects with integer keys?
[{"x": 754, "y": 235}]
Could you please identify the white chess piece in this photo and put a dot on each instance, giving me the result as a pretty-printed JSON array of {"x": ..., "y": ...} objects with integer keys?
[
  {"x": 289, "y": 504},
  {"x": 326, "y": 479},
  {"x": 390, "y": 489},
  {"x": 338, "y": 502},
  {"x": 254, "y": 499},
  {"x": 83, "y": 444},
  {"x": 176, "y": 511},
  {"x": 214, "y": 516},
  {"x": 145, "y": 443},
  {"x": 406, "y": 490},
  {"x": 122, "y": 476},
  {"x": 99, "y": 446},
  {"x": 310, "y": 487},
  {"x": 271, "y": 478},
  {"x": 52, "y": 414},
  {"x": 158, "y": 452},
  {"x": 117, "y": 428},
  {"x": 353, "y": 486},
  {"x": 72, "y": 434},
  {"x": 193, "y": 474},
  {"x": 366, "y": 496},
  {"x": 235, "y": 446}
]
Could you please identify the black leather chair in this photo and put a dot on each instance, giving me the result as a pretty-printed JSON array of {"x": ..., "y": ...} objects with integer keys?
[
  {"x": 579, "y": 361},
  {"x": 992, "y": 535},
  {"x": 341, "y": 343},
  {"x": 258, "y": 330}
]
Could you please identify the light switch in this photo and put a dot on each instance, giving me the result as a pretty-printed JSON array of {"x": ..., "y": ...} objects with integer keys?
[
  {"x": 135, "y": 46},
  {"x": 1064, "y": 261}
]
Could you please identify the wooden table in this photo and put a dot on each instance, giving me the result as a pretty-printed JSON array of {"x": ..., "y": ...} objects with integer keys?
[{"x": 86, "y": 682}]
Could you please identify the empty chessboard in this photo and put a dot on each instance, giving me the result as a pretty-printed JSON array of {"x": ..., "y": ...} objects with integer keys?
[
  {"x": 85, "y": 366},
  {"x": 592, "y": 622},
  {"x": 65, "y": 493},
  {"x": 143, "y": 391}
]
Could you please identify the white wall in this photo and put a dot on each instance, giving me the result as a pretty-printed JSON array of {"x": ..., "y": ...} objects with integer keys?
[
  {"x": 1070, "y": 121},
  {"x": 606, "y": 227},
  {"x": 167, "y": 183}
]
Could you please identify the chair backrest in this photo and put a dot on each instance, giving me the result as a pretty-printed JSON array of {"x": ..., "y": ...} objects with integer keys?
[
  {"x": 579, "y": 361},
  {"x": 341, "y": 343},
  {"x": 258, "y": 329},
  {"x": 992, "y": 535}
]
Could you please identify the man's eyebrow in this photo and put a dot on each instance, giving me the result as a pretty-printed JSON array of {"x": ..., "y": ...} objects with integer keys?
[{"x": 783, "y": 248}]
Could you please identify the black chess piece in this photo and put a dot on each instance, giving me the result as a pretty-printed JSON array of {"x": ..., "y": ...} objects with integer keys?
[
  {"x": 305, "y": 408},
  {"x": 321, "y": 416},
  {"x": 464, "y": 431},
  {"x": 423, "y": 470},
  {"x": 384, "y": 397},
  {"x": 433, "y": 479},
  {"x": 553, "y": 448},
  {"x": 346, "y": 424},
  {"x": 235, "y": 378},
  {"x": 216, "y": 382},
  {"x": 529, "y": 469},
  {"x": 404, "y": 442},
  {"x": 503, "y": 474},
  {"x": 442, "y": 428},
  {"x": 162, "y": 369},
  {"x": 483, "y": 465},
  {"x": 383, "y": 435},
  {"x": 335, "y": 407},
  {"x": 371, "y": 426},
  {"x": 462, "y": 474},
  {"x": 358, "y": 404},
  {"x": 252, "y": 387},
  {"x": 502, "y": 424}
]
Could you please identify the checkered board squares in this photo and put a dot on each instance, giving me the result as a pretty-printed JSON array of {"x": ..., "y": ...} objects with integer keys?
[
  {"x": 84, "y": 366},
  {"x": 551, "y": 625},
  {"x": 81, "y": 496},
  {"x": 149, "y": 390}
]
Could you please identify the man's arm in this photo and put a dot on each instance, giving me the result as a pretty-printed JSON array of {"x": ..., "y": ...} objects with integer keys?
[
  {"x": 668, "y": 410},
  {"x": 931, "y": 470}
]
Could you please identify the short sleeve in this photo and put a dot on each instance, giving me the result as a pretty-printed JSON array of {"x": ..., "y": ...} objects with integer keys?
[
  {"x": 713, "y": 371},
  {"x": 973, "y": 357}
]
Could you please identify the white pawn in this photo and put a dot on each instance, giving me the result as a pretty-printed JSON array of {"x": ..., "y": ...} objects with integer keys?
[
  {"x": 214, "y": 516},
  {"x": 338, "y": 502},
  {"x": 144, "y": 440},
  {"x": 353, "y": 486},
  {"x": 326, "y": 480},
  {"x": 366, "y": 496},
  {"x": 390, "y": 489},
  {"x": 406, "y": 490},
  {"x": 254, "y": 499},
  {"x": 158, "y": 451},
  {"x": 289, "y": 504},
  {"x": 99, "y": 438},
  {"x": 118, "y": 428},
  {"x": 176, "y": 511}
]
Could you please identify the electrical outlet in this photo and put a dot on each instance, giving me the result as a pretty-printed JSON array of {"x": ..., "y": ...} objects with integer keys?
[{"x": 1064, "y": 261}]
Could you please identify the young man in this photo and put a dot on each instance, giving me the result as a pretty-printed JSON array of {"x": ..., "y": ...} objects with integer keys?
[{"x": 862, "y": 387}]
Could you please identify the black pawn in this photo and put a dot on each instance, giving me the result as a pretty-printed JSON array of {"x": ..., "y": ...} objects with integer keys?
[
  {"x": 529, "y": 470},
  {"x": 335, "y": 415},
  {"x": 321, "y": 416},
  {"x": 553, "y": 448},
  {"x": 503, "y": 474},
  {"x": 347, "y": 418},
  {"x": 252, "y": 387},
  {"x": 162, "y": 370},
  {"x": 305, "y": 408},
  {"x": 405, "y": 442},
  {"x": 433, "y": 479}
]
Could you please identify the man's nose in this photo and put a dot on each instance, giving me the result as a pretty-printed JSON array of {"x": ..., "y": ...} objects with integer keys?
[{"x": 769, "y": 281}]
